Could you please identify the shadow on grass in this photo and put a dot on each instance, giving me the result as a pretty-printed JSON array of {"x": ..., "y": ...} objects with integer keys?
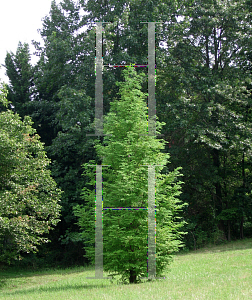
[
  {"x": 12, "y": 272},
  {"x": 227, "y": 246},
  {"x": 54, "y": 289}
]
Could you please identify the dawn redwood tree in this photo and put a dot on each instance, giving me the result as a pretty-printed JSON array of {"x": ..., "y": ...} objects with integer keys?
[
  {"x": 125, "y": 184},
  {"x": 29, "y": 197}
]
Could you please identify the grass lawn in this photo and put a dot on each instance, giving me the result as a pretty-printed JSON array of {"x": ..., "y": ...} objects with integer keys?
[{"x": 215, "y": 272}]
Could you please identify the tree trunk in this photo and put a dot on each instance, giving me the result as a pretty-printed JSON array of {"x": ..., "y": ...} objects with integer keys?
[
  {"x": 229, "y": 233},
  {"x": 132, "y": 278},
  {"x": 218, "y": 193},
  {"x": 194, "y": 240},
  {"x": 215, "y": 51},
  {"x": 222, "y": 229},
  {"x": 241, "y": 228},
  {"x": 244, "y": 186},
  {"x": 207, "y": 52}
]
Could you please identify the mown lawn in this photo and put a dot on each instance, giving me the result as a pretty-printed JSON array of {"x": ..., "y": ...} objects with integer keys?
[{"x": 217, "y": 272}]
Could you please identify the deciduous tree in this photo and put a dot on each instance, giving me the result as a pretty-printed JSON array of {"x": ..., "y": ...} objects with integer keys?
[{"x": 29, "y": 197}]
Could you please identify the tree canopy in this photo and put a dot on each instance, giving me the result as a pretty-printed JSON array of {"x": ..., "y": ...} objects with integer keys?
[
  {"x": 29, "y": 197},
  {"x": 203, "y": 95},
  {"x": 128, "y": 150}
]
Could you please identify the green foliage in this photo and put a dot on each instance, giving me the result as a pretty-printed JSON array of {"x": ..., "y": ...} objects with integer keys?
[
  {"x": 203, "y": 95},
  {"x": 69, "y": 150},
  {"x": 29, "y": 198},
  {"x": 3, "y": 96},
  {"x": 60, "y": 108},
  {"x": 127, "y": 150},
  {"x": 205, "y": 100},
  {"x": 20, "y": 73}
]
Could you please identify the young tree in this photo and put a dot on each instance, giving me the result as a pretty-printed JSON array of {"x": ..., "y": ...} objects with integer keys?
[
  {"x": 128, "y": 150},
  {"x": 29, "y": 198}
]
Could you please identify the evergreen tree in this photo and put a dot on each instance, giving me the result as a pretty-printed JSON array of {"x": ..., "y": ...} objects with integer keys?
[{"x": 128, "y": 150}]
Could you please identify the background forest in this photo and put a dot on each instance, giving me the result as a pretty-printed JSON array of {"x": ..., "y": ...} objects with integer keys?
[{"x": 203, "y": 94}]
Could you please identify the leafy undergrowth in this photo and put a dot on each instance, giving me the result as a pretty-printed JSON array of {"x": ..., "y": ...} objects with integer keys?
[{"x": 214, "y": 272}]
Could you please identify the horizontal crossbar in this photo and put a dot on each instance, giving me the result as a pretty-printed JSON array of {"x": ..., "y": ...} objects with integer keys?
[
  {"x": 125, "y": 65},
  {"x": 125, "y": 208}
]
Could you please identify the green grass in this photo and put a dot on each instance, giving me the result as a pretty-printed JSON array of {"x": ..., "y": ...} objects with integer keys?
[{"x": 217, "y": 272}]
